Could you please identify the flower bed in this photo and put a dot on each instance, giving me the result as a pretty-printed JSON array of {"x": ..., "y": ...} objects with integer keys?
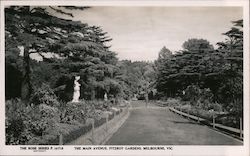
[
  {"x": 41, "y": 124},
  {"x": 220, "y": 117}
]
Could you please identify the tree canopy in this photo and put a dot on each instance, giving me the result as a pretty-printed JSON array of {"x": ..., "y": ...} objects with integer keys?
[
  {"x": 199, "y": 63},
  {"x": 67, "y": 47},
  {"x": 70, "y": 48}
]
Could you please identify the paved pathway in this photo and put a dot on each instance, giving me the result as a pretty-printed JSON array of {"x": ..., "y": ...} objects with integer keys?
[{"x": 158, "y": 126}]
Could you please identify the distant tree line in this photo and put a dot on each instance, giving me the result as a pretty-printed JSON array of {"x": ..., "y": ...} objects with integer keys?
[
  {"x": 138, "y": 78},
  {"x": 201, "y": 66}
]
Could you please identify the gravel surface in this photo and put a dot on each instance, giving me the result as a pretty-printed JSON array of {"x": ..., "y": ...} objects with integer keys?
[{"x": 153, "y": 125}]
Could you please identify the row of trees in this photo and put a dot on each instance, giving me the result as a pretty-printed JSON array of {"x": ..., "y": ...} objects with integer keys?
[
  {"x": 201, "y": 65},
  {"x": 69, "y": 48},
  {"x": 43, "y": 53},
  {"x": 66, "y": 48}
]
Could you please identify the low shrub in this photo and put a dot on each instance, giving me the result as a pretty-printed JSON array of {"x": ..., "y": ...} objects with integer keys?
[
  {"x": 215, "y": 106},
  {"x": 70, "y": 132},
  {"x": 42, "y": 121},
  {"x": 76, "y": 133},
  {"x": 79, "y": 112},
  {"x": 197, "y": 97},
  {"x": 16, "y": 127},
  {"x": 44, "y": 140},
  {"x": 196, "y": 112},
  {"x": 231, "y": 120},
  {"x": 192, "y": 94},
  {"x": 99, "y": 104},
  {"x": 26, "y": 122},
  {"x": 44, "y": 95},
  {"x": 173, "y": 102}
]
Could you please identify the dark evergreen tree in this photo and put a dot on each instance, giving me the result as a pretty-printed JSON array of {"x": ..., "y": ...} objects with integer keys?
[{"x": 34, "y": 29}]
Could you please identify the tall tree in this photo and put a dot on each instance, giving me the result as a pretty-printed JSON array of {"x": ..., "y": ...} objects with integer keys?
[
  {"x": 34, "y": 29},
  {"x": 231, "y": 88},
  {"x": 185, "y": 67}
]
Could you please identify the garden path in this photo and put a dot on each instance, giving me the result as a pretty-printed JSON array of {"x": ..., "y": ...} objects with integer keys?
[{"x": 154, "y": 125}]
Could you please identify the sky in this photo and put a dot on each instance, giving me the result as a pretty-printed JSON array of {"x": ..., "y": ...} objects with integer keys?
[{"x": 139, "y": 33}]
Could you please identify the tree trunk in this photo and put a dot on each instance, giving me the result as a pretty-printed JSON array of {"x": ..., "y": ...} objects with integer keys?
[
  {"x": 26, "y": 85},
  {"x": 92, "y": 93}
]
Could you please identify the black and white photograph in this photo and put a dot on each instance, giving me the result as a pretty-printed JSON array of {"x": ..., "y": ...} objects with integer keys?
[{"x": 124, "y": 77}]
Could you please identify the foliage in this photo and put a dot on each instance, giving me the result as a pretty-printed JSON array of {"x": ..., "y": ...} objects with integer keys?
[
  {"x": 173, "y": 102},
  {"x": 184, "y": 68},
  {"x": 136, "y": 78},
  {"x": 16, "y": 129},
  {"x": 77, "y": 112},
  {"x": 67, "y": 48},
  {"x": 192, "y": 94},
  {"x": 13, "y": 70},
  {"x": 163, "y": 56},
  {"x": 207, "y": 75},
  {"x": 44, "y": 95},
  {"x": 38, "y": 32},
  {"x": 214, "y": 109},
  {"x": 42, "y": 119},
  {"x": 25, "y": 122}
]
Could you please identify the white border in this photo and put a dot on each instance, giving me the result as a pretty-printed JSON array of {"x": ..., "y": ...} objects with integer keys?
[{"x": 177, "y": 150}]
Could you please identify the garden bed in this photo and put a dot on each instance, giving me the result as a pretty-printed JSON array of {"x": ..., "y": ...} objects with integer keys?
[{"x": 71, "y": 132}]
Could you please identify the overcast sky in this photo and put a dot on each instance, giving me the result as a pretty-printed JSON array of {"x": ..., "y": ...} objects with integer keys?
[{"x": 140, "y": 32}]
